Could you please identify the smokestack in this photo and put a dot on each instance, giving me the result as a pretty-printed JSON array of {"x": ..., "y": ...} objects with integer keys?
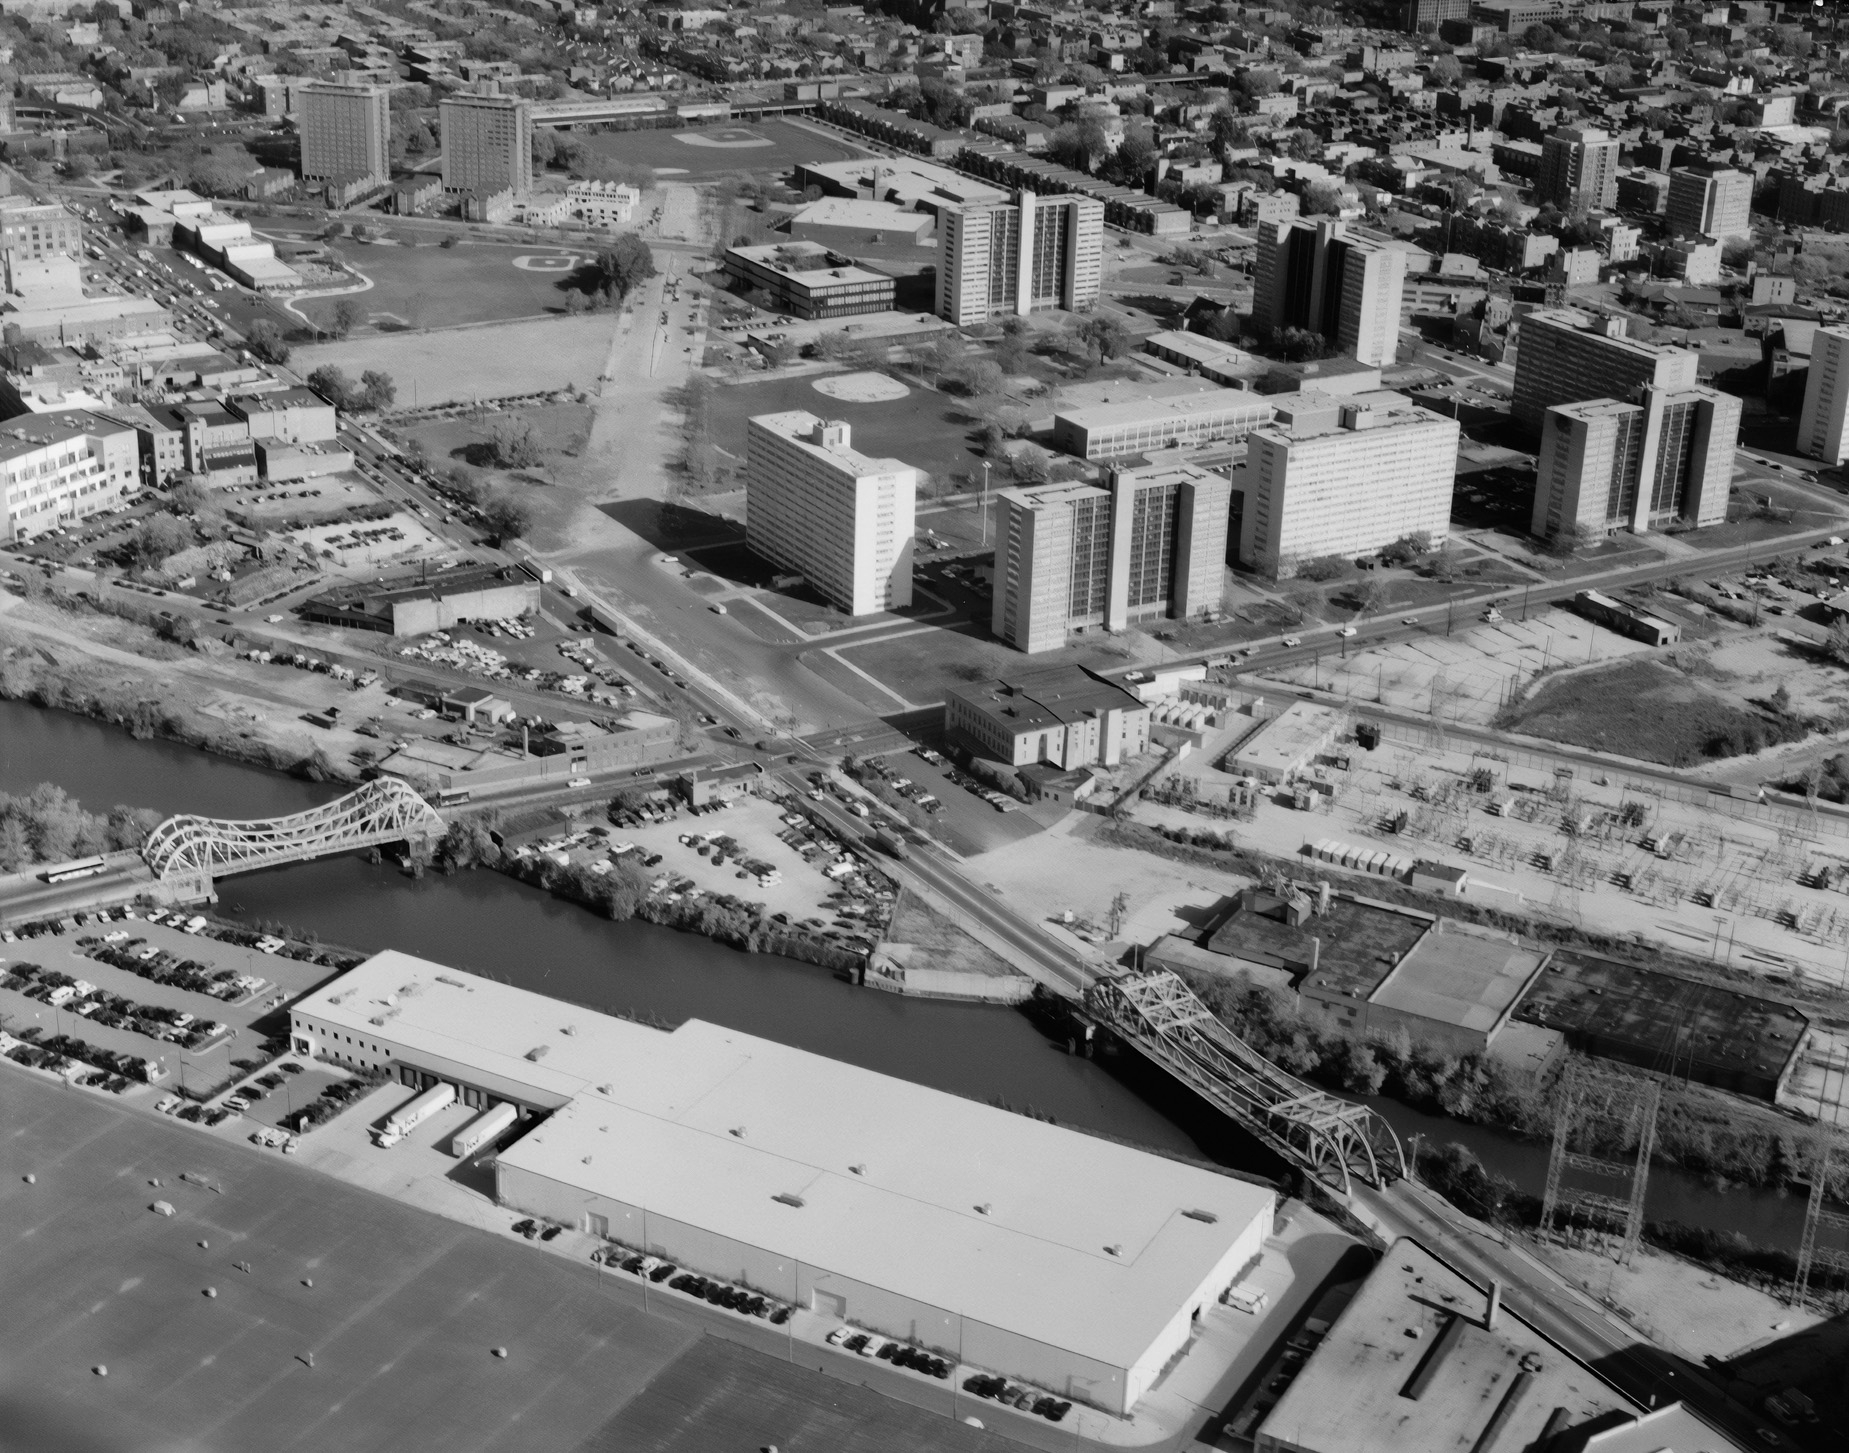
[
  {"x": 1316, "y": 952},
  {"x": 1495, "y": 1307},
  {"x": 525, "y": 749}
]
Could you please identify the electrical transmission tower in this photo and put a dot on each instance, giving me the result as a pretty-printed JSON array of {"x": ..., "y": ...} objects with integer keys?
[
  {"x": 1818, "y": 1217},
  {"x": 1599, "y": 1108}
]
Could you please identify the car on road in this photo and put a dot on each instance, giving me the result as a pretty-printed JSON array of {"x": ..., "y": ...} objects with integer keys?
[
  {"x": 1409, "y": 620},
  {"x": 1293, "y": 640},
  {"x": 1346, "y": 631}
]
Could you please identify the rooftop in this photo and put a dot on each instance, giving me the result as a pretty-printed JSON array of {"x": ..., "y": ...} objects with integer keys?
[
  {"x": 1182, "y": 406},
  {"x": 1410, "y": 1360},
  {"x": 1361, "y": 943},
  {"x": 1459, "y": 974},
  {"x": 819, "y": 438},
  {"x": 1583, "y": 322},
  {"x": 1281, "y": 743},
  {"x": 31, "y": 432},
  {"x": 807, "y": 262},
  {"x": 1078, "y": 1242},
  {"x": 1049, "y": 696}
]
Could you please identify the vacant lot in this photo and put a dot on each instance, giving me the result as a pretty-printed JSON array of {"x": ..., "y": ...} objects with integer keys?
[
  {"x": 923, "y": 428},
  {"x": 762, "y": 149},
  {"x": 455, "y": 366},
  {"x": 1644, "y": 708},
  {"x": 441, "y": 287}
]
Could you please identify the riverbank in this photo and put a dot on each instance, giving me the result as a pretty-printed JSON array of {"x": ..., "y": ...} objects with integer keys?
[{"x": 157, "y": 690}]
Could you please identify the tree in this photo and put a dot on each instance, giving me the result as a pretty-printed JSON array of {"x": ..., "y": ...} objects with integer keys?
[
  {"x": 266, "y": 340},
  {"x": 345, "y": 316},
  {"x": 1445, "y": 70},
  {"x": 514, "y": 446},
  {"x": 1106, "y": 333},
  {"x": 1119, "y": 906},
  {"x": 1302, "y": 597},
  {"x": 1078, "y": 144},
  {"x": 1565, "y": 542},
  {"x": 158, "y": 537},
  {"x": 1370, "y": 595},
  {"x": 332, "y": 384},
  {"x": 376, "y": 391},
  {"x": 1836, "y": 647},
  {"x": 624, "y": 263},
  {"x": 507, "y": 517}
]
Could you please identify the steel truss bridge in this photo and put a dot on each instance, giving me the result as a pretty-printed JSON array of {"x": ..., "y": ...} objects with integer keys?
[
  {"x": 1159, "y": 1016},
  {"x": 385, "y": 810}
]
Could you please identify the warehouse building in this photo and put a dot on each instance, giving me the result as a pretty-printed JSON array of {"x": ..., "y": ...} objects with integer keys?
[
  {"x": 415, "y": 605},
  {"x": 1006, "y": 1243},
  {"x": 1064, "y": 715},
  {"x": 1136, "y": 426}
]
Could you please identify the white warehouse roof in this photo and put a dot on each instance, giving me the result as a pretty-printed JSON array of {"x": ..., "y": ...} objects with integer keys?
[{"x": 1052, "y": 1234}]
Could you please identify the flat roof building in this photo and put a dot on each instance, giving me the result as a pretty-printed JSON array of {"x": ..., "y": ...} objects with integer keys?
[
  {"x": 487, "y": 144},
  {"x": 816, "y": 506},
  {"x": 1579, "y": 170},
  {"x": 1009, "y": 1244},
  {"x": 1423, "y": 1359},
  {"x": 1823, "y": 422},
  {"x": 1002, "y": 258},
  {"x": 808, "y": 281},
  {"x": 1314, "y": 275},
  {"x": 1076, "y": 557},
  {"x": 1064, "y": 715},
  {"x": 1286, "y": 744},
  {"x": 1343, "y": 476},
  {"x": 56, "y": 469},
  {"x": 1208, "y": 357},
  {"x": 1714, "y": 204},
  {"x": 39, "y": 229},
  {"x": 1137, "y": 426},
  {"x": 1566, "y": 356},
  {"x": 346, "y": 132},
  {"x": 416, "y": 605},
  {"x": 1608, "y": 464}
]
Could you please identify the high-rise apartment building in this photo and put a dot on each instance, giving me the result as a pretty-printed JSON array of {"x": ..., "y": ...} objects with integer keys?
[
  {"x": 1314, "y": 275},
  {"x": 487, "y": 144},
  {"x": 1579, "y": 170},
  {"x": 1001, "y": 258},
  {"x": 346, "y": 133},
  {"x": 1823, "y": 424},
  {"x": 1075, "y": 557},
  {"x": 816, "y": 506},
  {"x": 1342, "y": 476},
  {"x": 35, "y": 230},
  {"x": 1564, "y": 356},
  {"x": 1717, "y": 204},
  {"x": 1612, "y": 464}
]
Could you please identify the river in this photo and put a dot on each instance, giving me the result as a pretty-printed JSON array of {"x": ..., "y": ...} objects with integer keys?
[{"x": 490, "y": 924}]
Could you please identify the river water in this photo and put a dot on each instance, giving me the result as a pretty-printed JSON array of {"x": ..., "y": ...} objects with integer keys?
[{"x": 490, "y": 924}]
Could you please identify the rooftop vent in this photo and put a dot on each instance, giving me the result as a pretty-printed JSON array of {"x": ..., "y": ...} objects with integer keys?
[
  {"x": 859, "y": 1170},
  {"x": 453, "y": 983},
  {"x": 1116, "y": 1250},
  {"x": 538, "y": 1052},
  {"x": 789, "y": 1198},
  {"x": 569, "y": 1029},
  {"x": 1197, "y": 1215},
  {"x": 985, "y": 1208},
  {"x": 738, "y": 1131}
]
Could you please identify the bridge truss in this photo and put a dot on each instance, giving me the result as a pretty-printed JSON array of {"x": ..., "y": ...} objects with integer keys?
[
  {"x": 1159, "y": 1016},
  {"x": 385, "y": 810}
]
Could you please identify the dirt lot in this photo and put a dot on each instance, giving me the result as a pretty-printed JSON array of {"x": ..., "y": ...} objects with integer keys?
[{"x": 528, "y": 357}]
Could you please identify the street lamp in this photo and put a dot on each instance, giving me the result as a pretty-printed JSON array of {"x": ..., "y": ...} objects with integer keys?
[{"x": 985, "y": 502}]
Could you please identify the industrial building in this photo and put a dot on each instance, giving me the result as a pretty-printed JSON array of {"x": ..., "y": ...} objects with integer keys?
[
  {"x": 56, "y": 469},
  {"x": 1286, "y": 744},
  {"x": 286, "y": 416},
  {"x": 1343, "y": 476},
  {"x": 346, "y": 132},
  {"x": 1823, "y": 423},
  {"x": 214, "y": 442},
  {"x": 1626, "y": 620},
  {"x": 487, "y": 144},
  {"x": 1703, "y": 203},
  {"x": 1006, "y": 258},
  {"x": 1423, "y": 1358},
  {"x": 1609, "y": 464},
  {"x": 1567, "y": 356},
  {"x": 1063, "y": 715},
  {"x": 816, "y": 506},
  {"x": 1579, "y": 170},
  {"x": 808, "y": 281},
  {"x": 34, "y": 230},
  {"x": 434, "y": 601},
  {"x": 1314, "y": 275},
  {"x": 1137, "y": 426},
  {"x": 570, "y": 754},
  {"x": 1076, "y": 557},
  {"x": 1000, "y": 1241}
]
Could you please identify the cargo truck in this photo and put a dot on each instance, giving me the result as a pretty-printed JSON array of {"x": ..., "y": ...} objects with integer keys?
[
  {"x": 402, "y": 1121},
  {"x": 483, "y": 1130}
]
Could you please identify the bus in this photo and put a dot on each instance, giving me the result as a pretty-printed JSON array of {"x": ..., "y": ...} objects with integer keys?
[
  {"x": 452, "y": 796},
  {"x": 81, "y": 868}
]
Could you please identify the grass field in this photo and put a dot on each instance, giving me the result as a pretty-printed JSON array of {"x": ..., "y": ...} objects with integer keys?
[
  {"x": 512, "y": 358},
  {"x": 923, "y": 429},
  {"x": 1640, "y": 708},
  {"x": 401, "y": 1320},
  {"x": 439, "y": 287},
  {"x": 700, "y": 154}
]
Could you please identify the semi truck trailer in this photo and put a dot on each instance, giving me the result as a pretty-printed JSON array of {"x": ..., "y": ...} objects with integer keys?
[
  {"x": 406, "y": 1118},
  {"x": 483, "y": 1130}
]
